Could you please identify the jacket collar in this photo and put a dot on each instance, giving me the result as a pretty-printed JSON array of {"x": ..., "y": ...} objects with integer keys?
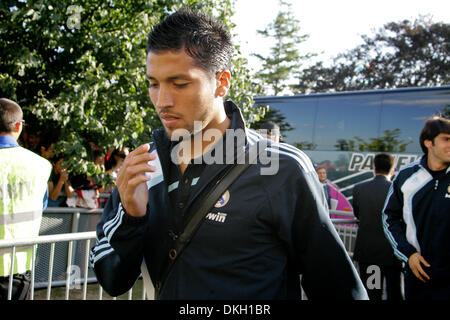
[
  {"x": 424, "y": 164},
  {"x": 211, "y": 171},
  {"x": 165, "y": 145},
  {"x": 423, "y": 161},
  {"x": 381, "y": 177},
  {"x": 7, "y": 142}
]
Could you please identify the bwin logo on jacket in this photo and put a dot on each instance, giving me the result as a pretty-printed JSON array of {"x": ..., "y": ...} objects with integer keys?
[{"x": 218, "y": 217}]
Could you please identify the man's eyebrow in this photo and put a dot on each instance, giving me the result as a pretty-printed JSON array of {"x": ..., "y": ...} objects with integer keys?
[{"x": 174, "y": 77}]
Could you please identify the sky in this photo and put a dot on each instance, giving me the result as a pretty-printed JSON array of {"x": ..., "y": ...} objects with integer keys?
[{"x": 333, "y": 26}]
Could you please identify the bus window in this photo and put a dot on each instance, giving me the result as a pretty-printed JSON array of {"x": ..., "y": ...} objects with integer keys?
[
  {"x": 402, "y": 118},
  {"x": 347, "y": 123},
  {"x": 342, "y": 132},
  {"x": 300, "y": 115}
]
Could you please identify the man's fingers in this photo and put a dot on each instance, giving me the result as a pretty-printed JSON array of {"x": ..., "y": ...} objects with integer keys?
[
  {"x": 139, "y": 158},
  {"x": 135, "y": 158},
  {"x": 139, "y": 169},
  {"x": 136, "y": 161},
  {"x": 417, "y": 274},
  {"x": 422, "y": 272},
  {"x": 130, "y": 173},
  {"x": 415, "y": 263},
  {"x": 140, "y": 166},
  {"x": 141, "y": 149},
  {"x": 425, "y": 263},
  {"x": 133, "y": 183},
  {"x": 131, "y": 180}
]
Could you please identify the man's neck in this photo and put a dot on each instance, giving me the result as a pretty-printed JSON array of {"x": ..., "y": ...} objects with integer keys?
[
  {"x": 198, "y": 145},
  {"x": 435, "y": 164}
]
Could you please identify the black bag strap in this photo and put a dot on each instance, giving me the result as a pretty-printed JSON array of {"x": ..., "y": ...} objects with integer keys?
[{"x": 205, "y": 206}]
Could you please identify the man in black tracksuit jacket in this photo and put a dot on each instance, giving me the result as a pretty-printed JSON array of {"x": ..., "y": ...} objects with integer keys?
[
  {"x": 265, "y": 231},
  {"x": 276, "y": 227},
  {"x": 416, "y": 216}
]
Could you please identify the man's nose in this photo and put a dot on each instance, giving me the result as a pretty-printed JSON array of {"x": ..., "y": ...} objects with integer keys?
[{"x": 164, "y": 98}]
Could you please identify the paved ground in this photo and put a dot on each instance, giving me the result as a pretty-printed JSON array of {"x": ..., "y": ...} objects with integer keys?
[{"x": 59, "y": 293}]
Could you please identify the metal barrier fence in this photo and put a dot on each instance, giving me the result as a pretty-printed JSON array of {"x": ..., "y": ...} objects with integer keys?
[
  {"x": 63, "y": 221},
  {"x": 73, "y": 276},
  {"x": 61, "y": 252},
  {"x": 347, "y": 229}
]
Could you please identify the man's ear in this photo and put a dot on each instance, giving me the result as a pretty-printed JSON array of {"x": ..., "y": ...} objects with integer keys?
[
  {"x": 392, "y": 172},
  {"x": 428, "y": 143},
  {"x": 223, "y": 82},
  {"x": 18, "y": 126}
]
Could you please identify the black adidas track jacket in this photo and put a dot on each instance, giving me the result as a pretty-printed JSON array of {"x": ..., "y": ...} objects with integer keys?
[{"x": 268, "y": 231}]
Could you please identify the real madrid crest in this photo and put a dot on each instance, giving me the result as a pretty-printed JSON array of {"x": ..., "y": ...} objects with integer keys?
[{"x": 223, "y": 200}]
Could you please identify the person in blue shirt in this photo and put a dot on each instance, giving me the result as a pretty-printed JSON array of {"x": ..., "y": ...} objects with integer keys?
[
  {"x": 9, "y": 136},
  {"x": 23, "y": 197}
]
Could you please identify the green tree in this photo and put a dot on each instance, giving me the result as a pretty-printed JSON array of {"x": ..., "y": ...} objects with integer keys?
[
  {"x": 389, "y": 142},
  {"x": 446, "y": 112},
  {"x": 274, "y": 116},
  {"x": 284, "y": 58},
  {"x": 401, "y": 54},
  {"x": 78, "y": 69}
]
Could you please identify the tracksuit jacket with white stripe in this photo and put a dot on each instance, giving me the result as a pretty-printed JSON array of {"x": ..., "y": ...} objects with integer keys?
[
  {"x": 416, "y": 217},
  {"x": 272, "y": 229}
]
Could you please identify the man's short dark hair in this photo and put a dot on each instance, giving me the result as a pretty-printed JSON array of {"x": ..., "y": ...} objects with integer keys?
[
  {"x": 271, "y": 127},
  {"x": 433, "y": 127},
  {"x": 204, "y": 38},
  {"x": 10, "y": 114},
  {"x": 383, "y": 163}
]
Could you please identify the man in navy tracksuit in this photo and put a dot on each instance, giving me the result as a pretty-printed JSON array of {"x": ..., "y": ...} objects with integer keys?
[
  {"x": 416, "y": 216},
  {"x": 270, "y": 226}
]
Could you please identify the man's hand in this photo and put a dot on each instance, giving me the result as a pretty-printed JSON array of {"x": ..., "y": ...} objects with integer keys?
[
  {"x": 131, "y": 181},
  {"x": 64, "y": 176},
  {"x": 415, "y": 262}
]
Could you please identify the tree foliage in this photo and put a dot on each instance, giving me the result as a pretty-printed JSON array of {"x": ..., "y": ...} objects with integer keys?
[
  {"x": 78, "y": 69},
  {"x": 401, "y": 54},
  {"x": 389, "y": 142},
  {"x": 275, "y": 116},
  {"x": 284, "y": 58}
]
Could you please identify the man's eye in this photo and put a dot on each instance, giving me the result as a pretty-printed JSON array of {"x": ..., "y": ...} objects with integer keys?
[
  {"x": 181, "y": 85},
  {"x": 152, "y": 85}
]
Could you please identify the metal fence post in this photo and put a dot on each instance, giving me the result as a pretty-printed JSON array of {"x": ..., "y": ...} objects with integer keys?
[
  {"x": 69, "y": 264},
  {"x": 33, "y": 264},
  {"x": 11, "y": 272},
  {"x": 50, "y": 270},
  {"x": 86, "y": 268}
]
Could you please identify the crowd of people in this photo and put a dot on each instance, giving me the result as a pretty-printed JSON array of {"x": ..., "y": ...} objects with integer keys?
[{"x": 67, "y": 189}]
